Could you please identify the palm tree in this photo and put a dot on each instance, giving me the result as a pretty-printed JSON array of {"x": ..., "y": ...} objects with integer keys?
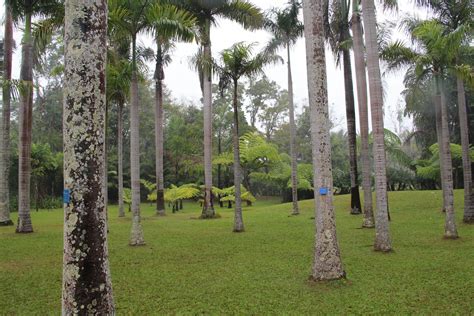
[
  {"x": 453, "y": 14},
  {"x": 382, "y": 234},
  {"x": 327, "y": 260},
  {"x": 286, "y": 29},
  {"x": 87, "y": 287},
  {"x": 206, "y": 12},
  {"x": 26, "y": 10},
  {"x": 119, "y": 76},
  {"x": 433, "y": 55},
  {"x": 237, "y": 62},
  {"x": 361, "y": 80},
  {"x": 164, "y": 36},
  {"x": 339, "y": 40},
  {"x": 5, "y": 121}
]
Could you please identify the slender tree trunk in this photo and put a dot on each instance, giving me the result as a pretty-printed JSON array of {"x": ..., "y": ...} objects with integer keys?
[
  {"x": 87, "y": 287},
  {"x": 136, "y": 238},
  {"x": 466, "y": 160},
  {"x": 361, "y": 79},
  {"x": 450, "y": 230},
  {"x": 159, "y": 76},
  {"x": 106, "y": 163},
  {"x": 238, "y": 219},
  {"x": 5, "y": 122},
  {"x": 293, "y": 153},
  {"x": 25, "y": 125},
  {"x": 120, "y": 158},
  {"x": 382, "y": 234},
  {"x": 437, "y": 103},
  {"x": 351, "y": 130},
  {"x": 208, "y": 208},
  {"x": 327, "y": 260}
]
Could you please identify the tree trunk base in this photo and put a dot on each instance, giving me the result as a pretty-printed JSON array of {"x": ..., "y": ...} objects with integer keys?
[
  {"x": 24, "y": 230},
  {"x": 161, "y": 213},
  {"x": 368, "y": 225},
  {"x": 355, "y": 211},
  {"x": 209, "y": 216},
  {"x": 7, "y": 223},
  {"x": 383, "y": 248},
  {"x": 468, "y": 220},
  {"x": 319, "y": 280},
  {"x": 121, "y": 215},
  {"x": 295, "y": 213},
  {"x": 238, "y": 230},
  {"x": 448, "y": 235}
]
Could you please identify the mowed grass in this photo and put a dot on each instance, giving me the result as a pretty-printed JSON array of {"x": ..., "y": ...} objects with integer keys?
[{"x": 192, "y": 266}]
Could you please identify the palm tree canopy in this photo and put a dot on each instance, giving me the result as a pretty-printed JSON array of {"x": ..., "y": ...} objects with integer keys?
[
  {"x": 238, "y": 61},
  {"x": 284, "y": 25}
]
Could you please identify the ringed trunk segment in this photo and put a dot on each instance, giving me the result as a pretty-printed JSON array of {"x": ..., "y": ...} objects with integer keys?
[
  {"x": 159, "y": 139},
  {"x": 293, "y": 152},
  {"x": 382, "y": 234},
  {"x": 238, "y": 218},
  {"x": 87, "y": 287},
  {"x": 327, "y": 264}
]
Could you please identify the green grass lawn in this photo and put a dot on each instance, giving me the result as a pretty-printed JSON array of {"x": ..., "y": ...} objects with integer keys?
[{"x": 193, "y": 266}]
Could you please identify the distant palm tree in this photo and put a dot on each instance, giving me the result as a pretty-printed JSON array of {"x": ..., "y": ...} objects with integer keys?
[
  {"x": 87, "y": 287},
  {"x": 340, "y": 42},
  {"x": 165, "y": 34},
  {"x": 26, "y": 10},
  {"x": 327, "y": 260},
  {"x": 237, "y": 62},
  {"x": 206, "y": 13},
  {"x": 286, "y": 29},
  {"x": 436, "y": 49},
  {"x": 5, "y": 120},
  {"x": 382, "y": 234}
]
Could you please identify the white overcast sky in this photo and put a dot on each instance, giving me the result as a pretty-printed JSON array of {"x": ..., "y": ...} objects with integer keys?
[{"x": 183, "y": 82}]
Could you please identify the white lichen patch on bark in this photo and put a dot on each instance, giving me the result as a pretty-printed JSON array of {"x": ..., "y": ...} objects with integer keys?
[
  {"x": 87, "y": 287},
  {"x": 327, "y": 261}
]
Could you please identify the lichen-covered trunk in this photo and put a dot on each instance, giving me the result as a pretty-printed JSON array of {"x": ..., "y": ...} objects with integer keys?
[
  {"x": 238, "y": 219},
  {"x": 136, "y": 237},
  {"x": 208, "y": 207},
  {"x": 87, "y": 287},
  {"x": 466, "y": 160},
  {"x": 382, "y": 234},
  {"x": 293, "y": 153},
  {"x": 5, "y": 219},
  {"x": 120, "y": 158},
  {"x": 361, "y": 81},
  {"x": 437, "y": 104},
  {"x": 450, "y": 230},
  {"x": 25, "y": 125},
  {"x": 351, "y": 130},
  {"x": 160, "y": 200},
  {"x": 327, "y": 263}
]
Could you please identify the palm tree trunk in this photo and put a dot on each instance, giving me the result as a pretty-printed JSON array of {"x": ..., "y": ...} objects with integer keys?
[
  {"x": 5, "y": 122},
  {"x": 120, "y": 158},
  {"x": 382, "y": 234},
  {"x": 208, "y": 208},
  {"x": 293, "y": 154},
  {"x": 25, "y": 125},
  {"x": 238, "y": 220},
  {"x": 136, "y": 238},
  {"x": 327, "y": 260},
  {"x": 87, "y": 286},
  {"x": 361, "y": 80},
  {"x": 450, "y": 230},
  {"x": 106, "y": 162},
  {"x": 159, "y": 76},
  {"x": 437, "y": 104},
  {"x": 351, "y": 130},
  {"x": 466, "y": 160}
]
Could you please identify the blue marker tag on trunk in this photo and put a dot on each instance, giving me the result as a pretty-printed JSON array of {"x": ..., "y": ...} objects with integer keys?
[
  {"x": 66, "y": 196},
  {"x": 323, "y": 191}
]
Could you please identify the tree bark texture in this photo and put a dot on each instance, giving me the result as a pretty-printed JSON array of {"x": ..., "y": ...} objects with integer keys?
[
  {"x": 351, "y": 130},
  {"x": 120, "y": 158},
  {"x": 238, "y": 219},
  {"x": 361, "y": 80},
  {"x": 466, "y": 160},
  {"x": 382, "y": 234},
  {"x": 208, "y": 208},
  {"x": 25, "y": 125},
  {"x": 327, "y": 260},
  {"x": 437, "y": 104},
  {"x": 293, "y": 152},
  {"x": 5, "y": 219},
  {"x": 450, "y": 230},
  {"x": 87, "y": 287},
  {"x": 159, "y": 139}
]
